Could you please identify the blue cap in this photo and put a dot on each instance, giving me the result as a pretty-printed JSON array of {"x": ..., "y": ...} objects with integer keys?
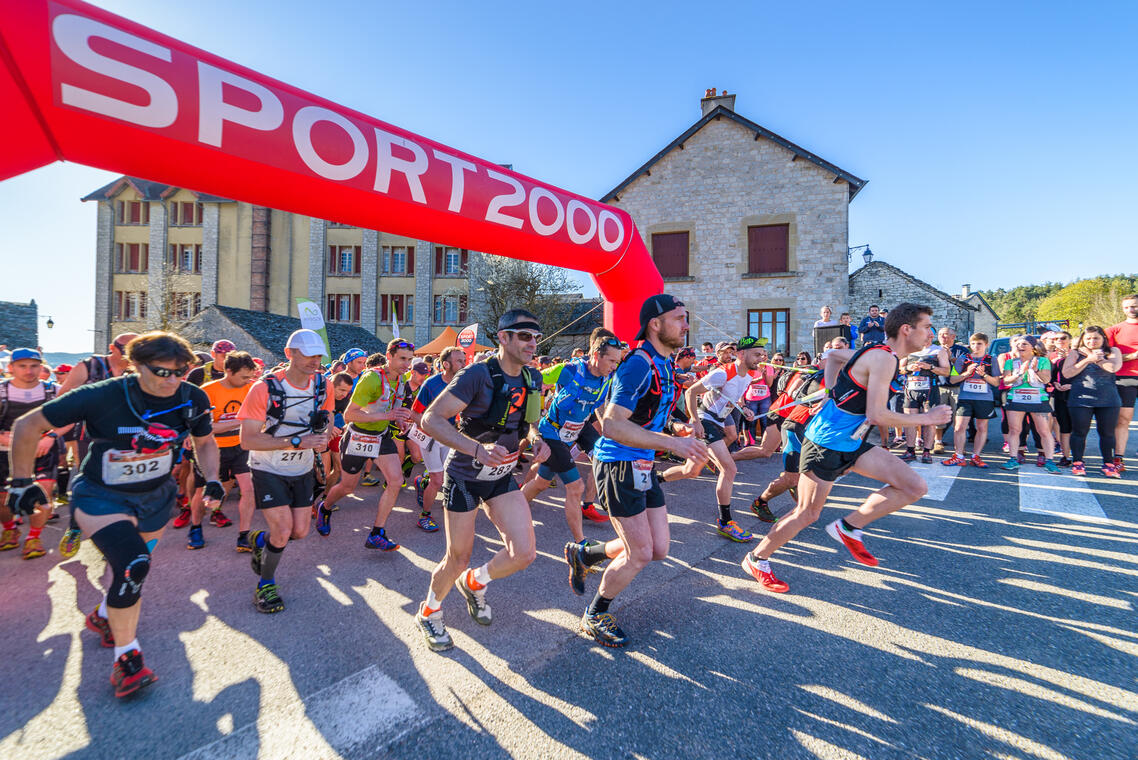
[
  {"x": 25, "y": 353},
  {"x": 354, "y": 353}
]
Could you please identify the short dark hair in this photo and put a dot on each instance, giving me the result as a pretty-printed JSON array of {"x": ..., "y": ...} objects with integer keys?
[
  {"x": 342, "y": 378},
  {"x": 875, "y": 306},
  {"x": 376, "y": 360},
  {"x": 904, "y": 314},
  {"x": 1131, "y": 297},
  {"x": 450, "y": 351},
  {"x": 601, "y": 344},
  {"x": 600, "y": 332},
  {"x": 235, "y": 361},
  {"x": 159, "y": 346},
  {"x": 978, "y": 336}
]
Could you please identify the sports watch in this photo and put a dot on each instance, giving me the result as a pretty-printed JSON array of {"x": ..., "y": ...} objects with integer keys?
[{"x": 295, "y": 441}]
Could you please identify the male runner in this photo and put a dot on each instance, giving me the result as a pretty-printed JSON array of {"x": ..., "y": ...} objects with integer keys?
[
  {"x": 633, "y": 422},
  {"x": 435, "y": 454},
  {"x": 212, "y": 370},
  {"x": 226, "y": 396},
  {"x": 976, "y": 400},
  {"x": 500, "y": 404},
  {"x": 20, "y": 394},
  {"x": 948, "y": 391},
  {"x": 284, "y": 419},
  {"x": 581, "y": 387},
  {"x": 922, "y": 368},
  {"x": 376, "y": 403},
  {"x": 859, "y": 383},
  {"x": 124, "y": 494}
]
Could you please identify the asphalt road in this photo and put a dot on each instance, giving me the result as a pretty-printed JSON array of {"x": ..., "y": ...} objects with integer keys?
[{"x": 1000, "y": 624}]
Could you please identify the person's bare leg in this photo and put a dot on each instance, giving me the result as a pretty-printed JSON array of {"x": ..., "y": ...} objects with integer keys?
[
  {"x": 245, "y": 506},
  {"x": 981, "y": 437},
  {"x": 511, "y": 515},
  {"x": 1122, "y": 430},
  {"x": 960, "y": 435},
  {"x": 812, "y": 494},
  {"x": 391, "y": 465},
  {"x": 902, "y": 486},
  {"x": 1015, "y": 423},
  {"x": 641, "y": 539},
  {"x": 459, "y": 530}
]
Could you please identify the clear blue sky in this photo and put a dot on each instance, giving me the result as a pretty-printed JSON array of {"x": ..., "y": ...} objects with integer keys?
[{"x": 998, "y": 138}]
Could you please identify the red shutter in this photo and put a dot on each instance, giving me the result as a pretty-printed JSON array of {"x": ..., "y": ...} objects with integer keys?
[
  {"x": 767, "y": 248},
  {"x": 383, "y": 314},
  {"x": 356, "y": 256},
  {"x": 465, "y": 260},
  {"x": 132, "y": 255},
  {"x": 135, "y": 212},
  {"x": 331, "y": 259},
  {"x": 198, "y": 213},
  {"x": 438, "y": 260},
  {"x": 330, "y": 312},
  {"x": 670, "y": 252},
  {"x": 355, "y": 307},
  {"x": 118, "y": 257},
  {"x": 145, "y": 256},
  {"x": 145, "y": 213},
  {"x": 410, "y": 259},
  {"x": 462, "y": 310},
  {"x": 197, "y": 259}
]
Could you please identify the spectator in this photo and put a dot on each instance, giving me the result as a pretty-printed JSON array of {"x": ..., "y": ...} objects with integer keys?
[
  {"x": 846, "y": 320},
  {"x": 827, "y": 319},
  {"x": 872, "y": 328}
]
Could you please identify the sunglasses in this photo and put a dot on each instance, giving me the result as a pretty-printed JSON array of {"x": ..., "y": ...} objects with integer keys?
[
  {"x": 525, "y": 336},
  {"x": 404, "y": 344},
  {"x": 120, "y": 346},
  {"x": 164, "y": 372}
]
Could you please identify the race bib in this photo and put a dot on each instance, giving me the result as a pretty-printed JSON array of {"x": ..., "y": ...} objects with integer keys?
[
  {"x": 122, "y": 468},
  {"x": 759, "y": 392},
  {"x": 975, "y": 386},
  {"x": 363, "y": 445},
  {"x": 569, "y": 431},
  {"x": 499, "y": 472},
  {"x": 417, "y": 435},
  {"x": 642, "y": 474},
  {"x": 286, "y": 457},
  {"x": 919, "y": 383},
  {"x": 1026, "y": 396}
]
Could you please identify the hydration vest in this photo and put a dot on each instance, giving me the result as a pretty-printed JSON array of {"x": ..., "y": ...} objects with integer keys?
[
  {"x": 649, "y": 404},
  {"x": 278, "y": 403},
  {"x": 495, "y": 418},
  {"x": 49, "y": 389}
]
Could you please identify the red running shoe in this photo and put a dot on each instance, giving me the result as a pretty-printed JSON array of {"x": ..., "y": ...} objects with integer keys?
[
  {"x": 595, "y": 515},
  {"x": 852, "y": 541},
  {"x": 1110, "y": 471},
  {"x": 1119, "y": 464},
  {"x": 218, "y": 519},
  {"x": 183, "y": 518},
  {"x": 1078, "y": 468},
  {"x": 976, "y": 461},
  {"x": 130, "y": 674},
  {"x": 98, "y": 624},
  {"x": 954, "y": 461},
  {"x": 767, "y": 580}
]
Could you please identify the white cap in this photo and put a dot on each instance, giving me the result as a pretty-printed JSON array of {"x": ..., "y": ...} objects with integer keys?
[{"x": 307, "y": 342}]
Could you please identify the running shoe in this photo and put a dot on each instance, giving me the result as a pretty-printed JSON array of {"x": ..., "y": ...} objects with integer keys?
[
  {"x": 910, "y": 455},
  {"x": 1119, "y": 464},
  {"x": 420, "y": 487},
  {"x": 926, "y": 457},
  {"x": 323, "y": 519},
  {"x": 731, "y": 530},
  {"x": 62, "y": 498},
  {"x": 183, "y": 518},
  {"x": 852, "y": 541},
  {"x": 267, "y": 599},
  {"x": 1011, "y": 464},
  {"x": 897, "y": 443},
  {"x": 955, "y": 461},
  {"x": 1064, "y": 462},
  {"x": 1077, "y": 468},
  {"x": 938, "y": 447},
  {"x": 603, "y": 629},
  {"x": 593, "y": 514},
  {"x": 976, "y": 461},
  {"x": 100, "y": 626},
  {"x": 427, "y": 523},
  {"x": 195, "y": 538},
  {"x": 243, "y": 544},
  {"x": 69, "y": 543},
  {"x": 433, "y": 630},
  {"x": 218, "y": 519},
  {"x": 371, "y": 479},
  {"x": 1110, "y": 471},
  {"x": 575, "y": 558},
  {"x": 130, "y": 674},
  {"x": 762, "y": 511},
  {"x": 766, "y": 579},
  {"x": 9, "y": 539},
  {"x": 475, "y": 600},
  {"x": 382, "y": 542},
  {"x": 1021, "y": 457},
  {"x": 1050, "y": 466},
  {"x": 33, "y": 547},
  {"x": 1041, "y": 460},
  {"x": 256, "y": 552}
]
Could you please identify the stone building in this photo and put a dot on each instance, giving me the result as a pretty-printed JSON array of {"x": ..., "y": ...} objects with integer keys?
[
  {"x": 163, "y": 254},
  {"x": 886, "y": 285},
  {"x": 19, "y": 324},
  {"x": 986, "y": 318},
  {"x": 748, "y": 229}
]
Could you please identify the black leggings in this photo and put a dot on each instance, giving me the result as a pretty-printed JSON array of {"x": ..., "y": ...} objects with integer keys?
[{"x": 1106, "y": 417}]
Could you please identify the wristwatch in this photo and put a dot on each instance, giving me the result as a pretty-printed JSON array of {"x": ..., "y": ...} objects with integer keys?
[{"x": 295, "y": 441}]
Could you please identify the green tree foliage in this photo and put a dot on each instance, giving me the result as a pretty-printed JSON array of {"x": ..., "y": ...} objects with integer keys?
[{"x": 1096, "y": 299}]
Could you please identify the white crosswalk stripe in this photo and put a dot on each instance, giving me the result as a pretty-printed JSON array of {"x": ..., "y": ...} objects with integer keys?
[
  {"x": 938, "y": 477},
  {"x": 1041, "y": 492}
]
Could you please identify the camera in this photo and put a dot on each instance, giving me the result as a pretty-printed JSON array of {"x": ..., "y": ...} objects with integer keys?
[{"x": 319, "y": 420}]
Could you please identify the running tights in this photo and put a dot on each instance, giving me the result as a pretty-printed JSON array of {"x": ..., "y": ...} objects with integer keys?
[{"x": 1106, "y": 417}]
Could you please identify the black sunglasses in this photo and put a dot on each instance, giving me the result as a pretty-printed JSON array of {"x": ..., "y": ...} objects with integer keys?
[{"x": 164, "y": 372}]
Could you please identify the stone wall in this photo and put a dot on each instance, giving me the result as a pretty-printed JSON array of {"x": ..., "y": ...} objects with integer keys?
[
  {"x": 885, "y": 285},
  {"x": 19, "y": 324},
  {"x": 722, "y": 181}
]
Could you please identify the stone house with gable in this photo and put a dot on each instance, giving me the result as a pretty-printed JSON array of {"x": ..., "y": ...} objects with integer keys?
[
  {"x": 886, "y": 285},
  {"x": 19, "y": 324},
  {"x": 748, "y": 229}
]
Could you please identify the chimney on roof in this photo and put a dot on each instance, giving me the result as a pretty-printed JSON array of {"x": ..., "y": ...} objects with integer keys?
[
  {"x": 965, "y": 291},
  {"x": 710, "y": 100}
]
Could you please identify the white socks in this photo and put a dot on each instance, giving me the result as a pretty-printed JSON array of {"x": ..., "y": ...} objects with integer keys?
[
  {"x": 482, "y": 575},
  {"x": 102, "y": 611},
  {"x": 120, "y": 651}
]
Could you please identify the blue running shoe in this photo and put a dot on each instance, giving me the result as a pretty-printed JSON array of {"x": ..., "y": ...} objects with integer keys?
[
  {"x": 196, "y": 540},
  {"x": 382, "y": 542},
  {"x": 427, "y": 523},
  {"x": 1011, "y": 464},
  {"x": 323, "y": 520}
]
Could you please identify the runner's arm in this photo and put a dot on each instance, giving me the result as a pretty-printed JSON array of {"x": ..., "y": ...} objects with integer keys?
[
  {"x": 877, "y": 411},
  {"x": 356, "y": 413},
  {"x": 1113, "y": 361},
  {"x": 943, "y": 367},
  {"x": 835, "y": 360},
  {"x": 76, "y": 377},
  {"x": 435, "y": 424},
  {"x": 253, "y": 438},
  {"x": 615, "y": 424},
  {"x": 26, "y": 434},
  {"x": 206, "y": 455}
]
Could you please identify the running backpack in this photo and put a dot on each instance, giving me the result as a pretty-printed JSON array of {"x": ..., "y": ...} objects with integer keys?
[
  {"x": 278, "y": 403},
  {"x": 494, "y": 419},
  {"x": 97, "y": 368},
  {"x": 789, "y": 404},
  {"x": 49, "y": 389}
]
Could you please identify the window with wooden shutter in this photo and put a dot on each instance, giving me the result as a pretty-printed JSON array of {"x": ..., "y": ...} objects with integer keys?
[
  {"x": 119, "y": 263},
  {"x": 197, "y": 259},
  {"x": 356, "y": 257},
  {"x": 133, "y": 254},
  {"x": 145, "y": 256},
  {"x": 410, "y": 259},
  {"x": 135, "y": 212},
  {"x": 330, "y": 307},
  {"x": 384, "y": 313},
  {"x": 409, "y": 308},
  {"x": 464, "y": 262},
  {"x": 768, "y": 249},
  {"x": 670, "y": 252},
  {"x": 355, "y": 307},
  {"x": 438, "y": 260},
  {"x": 462, "y": 309},
  {"x": 331, "y": 259},
  {"x": 438, "y": 309}
]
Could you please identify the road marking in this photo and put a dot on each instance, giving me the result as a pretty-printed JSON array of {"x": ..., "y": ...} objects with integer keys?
[
  {"x": 1044, "y": 493},
  {"x": 938, "y": 477}
]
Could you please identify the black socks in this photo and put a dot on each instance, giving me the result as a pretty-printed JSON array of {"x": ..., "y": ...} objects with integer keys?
[
  {"x": 598, "y": 605},
  {"x": 724, "y": 513},
  {"x": 594, "y": 553}
]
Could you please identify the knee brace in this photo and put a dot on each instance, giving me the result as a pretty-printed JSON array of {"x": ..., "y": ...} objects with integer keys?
[{"x": 129, "y": 558}]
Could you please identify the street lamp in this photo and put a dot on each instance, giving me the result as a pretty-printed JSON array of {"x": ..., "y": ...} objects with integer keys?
[
  {"x": 50, "y": 322},
  {"x": 866, "y": 254}
]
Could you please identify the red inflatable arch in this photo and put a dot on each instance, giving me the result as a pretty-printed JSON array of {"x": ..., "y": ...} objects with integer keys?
[{"x": 84, "y": 85}]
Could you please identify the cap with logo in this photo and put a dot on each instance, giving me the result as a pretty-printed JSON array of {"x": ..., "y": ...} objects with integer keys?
[
  {"x": 63, "y": 369},
  {"x": 685, "y": 353},
  {"x": 421, "y": 368},
  {"x": 25, "y": 353},
  {"x": 223, "y": 346},
  {"x": 750, "y": 341},
  {"x": 653, "y": 307},
  {"x": 307, "y": 342}
]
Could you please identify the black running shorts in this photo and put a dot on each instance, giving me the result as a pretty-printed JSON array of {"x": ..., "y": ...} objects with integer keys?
[
  {"x": 617, "y": 494},
  {"x": 828, "y": 464},
  {"x": 272, "y": 490}
]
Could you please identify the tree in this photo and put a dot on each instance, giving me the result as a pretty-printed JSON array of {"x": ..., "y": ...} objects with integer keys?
[{"x": 499, "y": 284}]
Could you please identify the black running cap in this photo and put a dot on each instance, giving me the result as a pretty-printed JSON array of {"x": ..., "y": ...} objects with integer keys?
[{"x": 654, "y": 307}]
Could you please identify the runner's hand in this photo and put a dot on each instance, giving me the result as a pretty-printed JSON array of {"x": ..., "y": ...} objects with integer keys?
[
  {"x": 690, "y": 448},
  {"x": 44, "y": 445},
  {"x": 491, "y": 454},
  {"x": 939, "y": 415},
  {"x": 696, "y": 428},
  {"x": 400, "y": 415},
  {"x": 681, "y": 429},
  {"x": 214, "y": 493},
  {"x": 24, "y": 498},
  {"x": 748, "y": 415},
  {"x": 1098, "y": 355},
  {"x": 540, "y": 450},
  {"x": 317, "y": 441}
]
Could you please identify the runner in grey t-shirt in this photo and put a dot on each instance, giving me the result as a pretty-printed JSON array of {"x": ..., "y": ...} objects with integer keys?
[{"x": 474, "y": 387}]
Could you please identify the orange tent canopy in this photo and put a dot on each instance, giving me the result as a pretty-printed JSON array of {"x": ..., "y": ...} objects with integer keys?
[{"x": 448, "y": 337}]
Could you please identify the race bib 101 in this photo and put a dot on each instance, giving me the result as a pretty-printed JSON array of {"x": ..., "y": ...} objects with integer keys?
[{"x": 975, "y": 386}]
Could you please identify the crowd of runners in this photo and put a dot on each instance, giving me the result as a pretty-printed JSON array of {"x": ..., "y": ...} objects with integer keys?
[{"x": 152, "y": 433}]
